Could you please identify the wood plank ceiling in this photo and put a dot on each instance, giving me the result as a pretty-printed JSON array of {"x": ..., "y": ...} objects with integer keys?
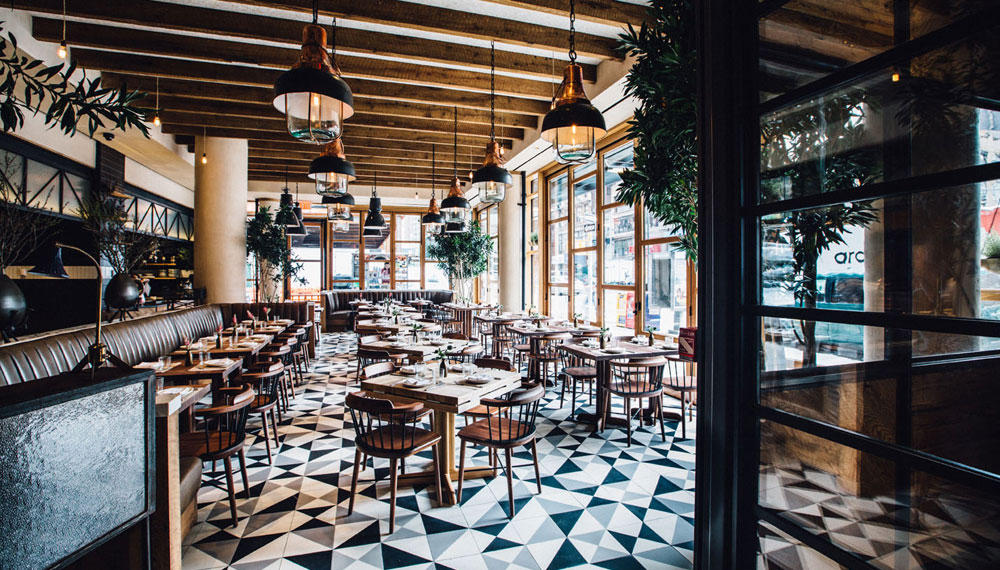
[{"x": 409, "y": 65}]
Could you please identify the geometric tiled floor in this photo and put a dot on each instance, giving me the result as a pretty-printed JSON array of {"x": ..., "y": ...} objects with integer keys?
[{"x": 603, "y": 504}]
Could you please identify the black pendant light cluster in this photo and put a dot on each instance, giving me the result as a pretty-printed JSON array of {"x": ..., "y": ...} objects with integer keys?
[
  {"x": 455, "y": 207},
  {"x": 492, "y": 179},
  {"x": 433, "y": 220},
  {"x": 573, "y": 124},
  {"x": 289, "y": 212}
]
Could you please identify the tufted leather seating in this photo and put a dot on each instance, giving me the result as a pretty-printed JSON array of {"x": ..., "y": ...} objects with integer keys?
[
  {"x": 134, "y": 341},
  {"x": 338, "y": 314}
]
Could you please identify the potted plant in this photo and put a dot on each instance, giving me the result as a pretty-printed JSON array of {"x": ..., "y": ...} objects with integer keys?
[
  {"x": 991, "y": 253},
  {"x": 649, "y": 333},
  {"x": 107, "y": 218},
  {"x": 533, "y": 240},
  {"x": 416, "y": 328},
  {"x": 22, "y": 229},
  {"x": 442, "y": 354},
  {"x": 273, "y": 257},
  {"x": 464, "y": 256}
]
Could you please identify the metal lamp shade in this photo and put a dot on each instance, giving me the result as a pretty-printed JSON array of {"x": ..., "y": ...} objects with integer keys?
[
  {"x": 455, "y": 228},
  {"x": 455, "y": 203},
  {"x": 122, "y": 292},
  {"x": 372, "y": 232},
  {"x": 345, "y": 199},
  {"x": 51, "y": 266},
  {"x": 574, "y": 124},
  {"x": 374, "y": 219},
  {"x": 286, "y": 212},
  {"x": 432, "y": 220},
  {"x": 331, "y": 170},
  {"x": 492, "y": 183},
  {"x": 312, "y": 95}
]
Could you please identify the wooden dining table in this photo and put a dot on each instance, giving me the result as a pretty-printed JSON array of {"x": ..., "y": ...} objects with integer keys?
[
  {"x": 242, "y": 349},
  {"x": 447, "y": 400},
  {"x": 464, "y": 312},
  {"x": 537, "y": 332},
  {"x": 602, "y": 361},
  {"x": 374, "y": 325},
  {"x": 180, "y": 373},
  {"x": 418, "y": 352}
]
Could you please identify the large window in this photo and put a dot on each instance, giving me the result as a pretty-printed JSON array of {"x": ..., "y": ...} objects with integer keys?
[
  {"x": 406, "y": 240},
  {"x": 592, "y": 266},
  {"x": 489, "y": 283},
  {"x": 308, "y": 250}
]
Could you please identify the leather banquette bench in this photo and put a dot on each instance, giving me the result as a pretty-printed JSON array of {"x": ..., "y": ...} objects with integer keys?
[
  {"x": 134, "y": 341},
  {"x": 338, "y": 313}
]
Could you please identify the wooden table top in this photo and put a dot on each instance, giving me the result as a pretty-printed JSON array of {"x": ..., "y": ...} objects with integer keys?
[
  {"x": 552, "y": 329},
  {"x": 449, "y": 396},
  {"x": 464, "y": 307},
  {"x": 508, "y": 318},
  {"x": 182, "y": 370},
  {"x": 401, "y": 329},
  {"x": 420, "y": 349},
  {"x": 228, "y": 348},
  {"x": 632, "y": 350},
  {"x": 176, "y": 399}
]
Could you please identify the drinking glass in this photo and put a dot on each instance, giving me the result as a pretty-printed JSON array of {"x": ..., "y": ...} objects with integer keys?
[
  {"x": 468, "y": 368},
  {"x": 163, "y": 362},
  {"x": 201, "y": 356}
]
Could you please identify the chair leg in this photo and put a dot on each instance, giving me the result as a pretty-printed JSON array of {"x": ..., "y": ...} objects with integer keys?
[
  {"x": 393, "y": 476},
  {"x": 461, "y": 472},
  {"x": 437, "y": 473},
  {"x": 628, "y": 418},
  {"x": 274, "y": 426},
  {"x": 683, "y": 423},
  {"x": 243, "y": 470},
  {"x": 538, "y": 476},
  {"x": 659, "y": 407},
  {"x": 364, "y": 461},
  {"x": 510, "y": 483},
  {"x": 267, "y": 437},
  {"x": 402, "y": 466},
  {"x": 354, "y": 481},
  {"x": 572, "y": 405},
  {"x": 562, "y": 392},
  {"x": 229, "y": 487}
]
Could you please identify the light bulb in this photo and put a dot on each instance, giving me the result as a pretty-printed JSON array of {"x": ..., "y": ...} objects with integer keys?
[
  {"x": 204, "y": 158},
  {"x": 62, "y": 50},
  {"x": 156, "y": 120}
]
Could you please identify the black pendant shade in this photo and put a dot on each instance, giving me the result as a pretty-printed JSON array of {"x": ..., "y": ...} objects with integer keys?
[
  {"x": 286, "y": 213},
  {"x": 51, "y": 265},
  {"x": 345, "y": 199}
]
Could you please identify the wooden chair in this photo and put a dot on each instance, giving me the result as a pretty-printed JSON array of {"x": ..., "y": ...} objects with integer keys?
[
  {"x": 637, "y": 379},
  {"x": 503, "y": 338},
  {"x": 546, "y": 352},
  {"x": 576, "y": 370},
  {"x": 389, "y": 431},
  {"x": 495, "y": 363},
  {"x": 466, "y": 353},
  {"x": 222, "y": 435},
  {"x": 369, "y": 356},
  {"x": 279, "y": 353},
  {"x": 678, "y": 380},
  {"x": 266, "y": 381},
  {"x": 511, "y": 425}
]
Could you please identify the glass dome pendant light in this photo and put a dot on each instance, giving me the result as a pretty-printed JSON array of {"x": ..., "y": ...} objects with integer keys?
[
  {"x": 455, "y": 207},
  {"x": 492, "y": 179},
  {"x": 331, "y": 170},
  {"x": 299, "y": 229},
  {"x": 433, "y": 219},
  {"x": 573, "y": 124},
  {"x": 312, "y": 94},
  {"x": 338, "y": 210}
]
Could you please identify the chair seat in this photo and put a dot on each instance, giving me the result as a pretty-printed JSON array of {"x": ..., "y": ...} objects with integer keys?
[
  {"x": 581, "y": 372},
  {"x": 396, "y": 441},
  {"x": 494, "y": 431},
  {"x": 262, "y": 404},
  {"x": 635, "y": 389},
  {"x": 193, "y": 444},
  {"x": 522, "y": 347},
  {"x": 468, "y": 351},
  {"x": 480, "y": 411},
  {"x": 690, "y": 383}
]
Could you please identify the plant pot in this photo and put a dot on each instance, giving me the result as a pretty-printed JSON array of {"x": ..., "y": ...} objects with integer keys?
[
  {"x": 991, "y": 264},
  {"x": 122, "y": 292},
  {"x": 13, "y": 306}
]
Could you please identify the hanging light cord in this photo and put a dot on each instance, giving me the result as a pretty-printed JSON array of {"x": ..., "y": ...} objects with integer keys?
[
  {"x": 315, "y": 11},
  {"x": 157, "y": 93},
  {"x": 455, "y": 153},
  {"x": 333, "y": 43},
  {"x": 572, "y": 31},
  {"x": 493, "y": 51},
  {"x": 433, "y": 170},
  {"x": 64, "y": 22}
]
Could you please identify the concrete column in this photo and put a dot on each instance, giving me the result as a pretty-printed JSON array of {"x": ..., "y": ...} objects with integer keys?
[
  {"x": 509, "y": 241},
  {"x": 220, "y": 205}
]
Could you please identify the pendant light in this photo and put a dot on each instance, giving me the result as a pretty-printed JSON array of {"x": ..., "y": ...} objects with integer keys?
[
  {"x": 331, "y": 170},
  {"x": 62, "y": 52},
  {"x": 204, "y": 145},
  {"x": 455, "y": 207},
  {"x": 433, "y": 219},
  {"x": 313, "y": 96},
  {"x": 299, "y": 229},
  {"x": 374, "y": 221},
  {"x": 573, "y": 124},
  {"x": 492, "y": 179},
  {"x": 286, "y": 212},
  {"x": 156, "y": 117},
  {"x": 338, "y": 210}
]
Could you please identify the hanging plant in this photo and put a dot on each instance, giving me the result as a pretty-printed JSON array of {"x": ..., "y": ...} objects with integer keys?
[
  {"x": 28, "y": 84},
  {"x": 663, "y": 79}
]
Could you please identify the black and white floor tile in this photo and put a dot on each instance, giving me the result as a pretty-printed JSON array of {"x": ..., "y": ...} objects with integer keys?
[{"x": 603, "y": 505}]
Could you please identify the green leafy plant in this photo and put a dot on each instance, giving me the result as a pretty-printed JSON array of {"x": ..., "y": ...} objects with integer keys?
[
  {"x": 267, "y": 242},
  {"x": 464, "y": 256},
  {"x": 28, "y": 84},
  {"x": 991, "y": 246},
  {"x": 665, "y": 172},
  {"x": 107, "y": 218}
]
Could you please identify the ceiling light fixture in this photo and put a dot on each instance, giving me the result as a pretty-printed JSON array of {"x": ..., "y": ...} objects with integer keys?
[
  {"x": 331, "y": 170},
  {"x": 313, "y": 96},
  {"x": 204, "y": 144},
  {"x": 374, "y": 221},
  {"x": 573, "y": 124},
  {"x": 338, "y": 210},
  {"x": 156, "y": 117},
  {"x": 455, "y": 207},
  {"x": 63, "y": 52},
  {"x": 492, "y": 179},
  {"x": 298, "y": 229},
  {"x": 433, "y": 219}
]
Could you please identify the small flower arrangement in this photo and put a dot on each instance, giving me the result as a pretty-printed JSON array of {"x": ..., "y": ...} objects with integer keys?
[
  {"x": 604, "y": 335},
  {"x": 649, "y": 332},
  {"x": 267, "y": 313},
  {"x": 576, "y": 319}
]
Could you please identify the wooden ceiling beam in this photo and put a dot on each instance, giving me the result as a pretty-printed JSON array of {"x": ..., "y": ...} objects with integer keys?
[
  {"x": 397, "y": 137},
  {"x": 453, "y": 23},
  {"x": 419, "y": 127},
  {"x": 388, "y": 179},
  {"x": 130, "y": 40},
  {"x": 361, "y": 146},
  {"x": 363, "y": 108},
  {"x": 205, "y": 80},
  {"x": 196, "y": 19},
  {"x": 304, "y": 160},
  {"x": 260, "y": 176},
  {"x": 606, "y": 12}
]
